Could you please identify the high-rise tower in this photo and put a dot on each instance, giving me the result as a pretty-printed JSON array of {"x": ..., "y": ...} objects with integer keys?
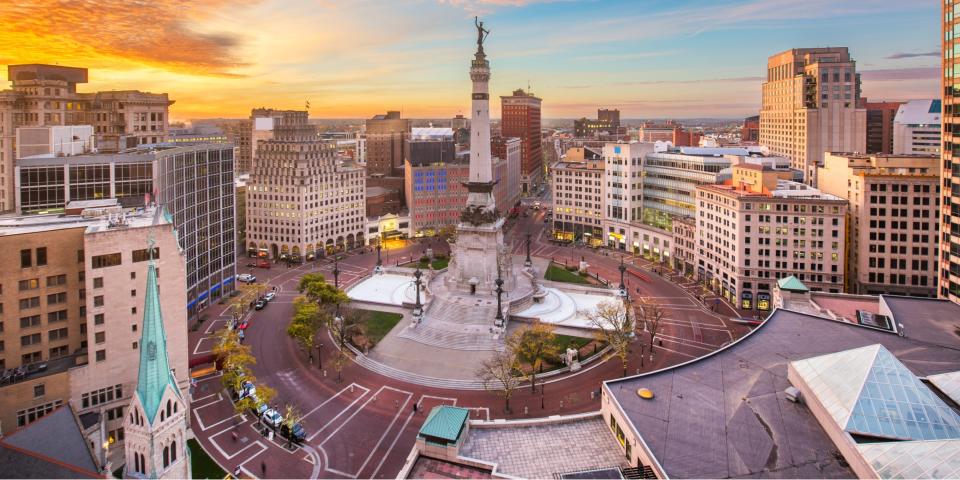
[{"x": 950, "y": 168}]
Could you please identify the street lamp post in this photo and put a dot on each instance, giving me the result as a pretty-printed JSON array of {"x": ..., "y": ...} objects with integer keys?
[
  {"x": 528, "y": 262},
  {"x": 498, "y": 320},
  {"x": 336, "y": 279},
  {"x": 623, "y": 269},
  {"x": 417, "y": 308},
  {"x": 379, "y": 261},
  {"x": 319, "y": 355}
]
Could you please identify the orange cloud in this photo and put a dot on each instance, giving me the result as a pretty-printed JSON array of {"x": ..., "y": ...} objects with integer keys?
[{"x": 119, "y": 33}]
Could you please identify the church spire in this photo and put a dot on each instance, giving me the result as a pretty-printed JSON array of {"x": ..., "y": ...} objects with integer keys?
[{"x": 154, "y": 374}]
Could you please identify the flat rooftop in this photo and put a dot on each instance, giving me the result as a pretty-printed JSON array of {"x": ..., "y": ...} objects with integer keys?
[
  {"x": 726, "y": 415},
  {"x": 132, "y": 218}
]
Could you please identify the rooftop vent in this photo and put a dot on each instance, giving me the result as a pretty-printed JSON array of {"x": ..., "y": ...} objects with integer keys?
[{"x": 793, "y": 394}]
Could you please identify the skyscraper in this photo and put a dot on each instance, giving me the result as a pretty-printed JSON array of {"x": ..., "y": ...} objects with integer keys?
[
  {"x": 520, "y": 117},
  {"x": 810, "y": 106},
  {"x": 880, "y": 117},
  {"x": 386, "y": 142},
  {"x": 950, "y": 204}
]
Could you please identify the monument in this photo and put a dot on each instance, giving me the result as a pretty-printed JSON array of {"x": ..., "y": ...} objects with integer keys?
[{"x": 479, "y": 256}]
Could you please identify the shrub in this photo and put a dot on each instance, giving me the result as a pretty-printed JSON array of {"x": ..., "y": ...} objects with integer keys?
[{"x": 572, "y": 268}]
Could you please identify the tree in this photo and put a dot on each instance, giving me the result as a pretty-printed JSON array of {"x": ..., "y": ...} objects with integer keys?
[
  {"x": 317, "y": 290},
  {"x": 307, "y": 320},
  {"x": 534, "y": 343},
  {"x": 343, "y": 328},
  {"x": 500, "y": 373},
  {"x": 265, "y": 395},
  {"x": 650, "y": 315},
  {"x": 613, "y": 326},
  {"x": 291, "y": 417},
  {"x": 234, "y": 358}
]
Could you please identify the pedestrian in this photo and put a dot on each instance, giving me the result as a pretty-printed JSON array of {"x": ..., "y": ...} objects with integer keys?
[
  {"x": 234, "y": 435},
  {"x": 263, "y": 469},
  {"x": 236, "y": 472},
  {"x": 414, "y": 407}
]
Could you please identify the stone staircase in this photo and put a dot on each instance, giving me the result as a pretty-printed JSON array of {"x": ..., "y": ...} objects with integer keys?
[
  {"x": 388, "y": 371},
  {"x": 439, "y": 338},
  {"x": 458, "y": 323}
]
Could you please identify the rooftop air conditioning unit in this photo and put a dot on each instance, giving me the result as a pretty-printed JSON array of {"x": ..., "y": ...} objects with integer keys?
[{"x": 792, "y": 394}]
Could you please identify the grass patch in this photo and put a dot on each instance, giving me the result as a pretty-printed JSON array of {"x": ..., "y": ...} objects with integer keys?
[
  {"x": 378, "y": 324},
  {"x": 440, "y": 263},
  {"x": 560, "y": 274},
  {"x": 201, "y": 464},
  {"x": 564, "y": 341}
]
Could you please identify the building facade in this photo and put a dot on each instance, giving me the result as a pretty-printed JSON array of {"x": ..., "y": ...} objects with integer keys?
[
  {"x": 761, "y": 228},
  {"x": 623, "y": 174},
  {"x": 520, "y": 118},
  {"x": 45, "y": 95},
  {"x": 810, "y": 106},
  {"x": 607, "y": 121},
  {"x": 386, "y": 143},
  {"x": 950, "y": 170},
  {"x": 750, "y": 133},
  {"x": 671, "y": 177},
  {"x": 669, "y": 131},
  {"x": 194, "y": 184},
  {"x": 578, "y": 201},
  {"x": 916, "y": 128},
  {"x": 892, "y": 228},
  {"x": 77, "y": 292},
  {"x": 880, "y": 117},
  {"x": 303, "y": 200},
  {"x": 685, "y": 245}
]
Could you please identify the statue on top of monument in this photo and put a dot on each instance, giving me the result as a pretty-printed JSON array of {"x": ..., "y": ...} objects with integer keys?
[{"x": 482, "y": 33}]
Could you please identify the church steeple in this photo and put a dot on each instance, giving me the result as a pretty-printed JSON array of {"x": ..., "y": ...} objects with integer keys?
[{"x": 154, "y": 373}]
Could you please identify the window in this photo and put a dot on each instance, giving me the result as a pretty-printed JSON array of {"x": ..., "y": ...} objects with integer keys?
[
  {"x": 31, "y": 321},
  {"x": 32, "y": 339},
  {"x": 98, "y": 319},
  {"x": 98, "y": 301},
  {"x": 39, "y": 390},
  {"x": 98, "y": 282},
  {"x": 58, "y": 334},
  {"x": 55, "y": 298},
  {"x": 26, "y": 259},
  {"x": 32, "y": 302},
  {"x": 108, "y": 260},
  {"x": 133, "y": 293},
  {"x": 143, "y": 255},
  {"x": 29, "y": 284},
  {"x": 133, "y": 275},
  {"x": 57, "y": 280},
  {"x": 58, "y": 352},
  {"x": 100, "y": 337},
  {"x": 30, "y": 415},
  {"x": 41, "y": 256},
  {"x": 103, "y": 395},
  {"x": 101, "y": 355}
]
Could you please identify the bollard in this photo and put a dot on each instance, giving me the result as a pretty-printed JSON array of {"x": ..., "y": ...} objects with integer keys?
[
  {"x": 561, "y": 404},
  {"x": 351, "y": 388},
  {"x": 526, "y": 411},
  {"x": 593, "y": 394},
  {"x": 324, "y": 373}
]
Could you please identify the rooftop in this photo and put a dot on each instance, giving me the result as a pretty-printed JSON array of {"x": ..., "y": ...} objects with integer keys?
[
  {"x": 51, "y": 447},
  {"x": 445, "y": 422},
  {"x": 130, "y": 218},
  {"x": 725, "y": 414},
  {"x": 919, "y": 112}
]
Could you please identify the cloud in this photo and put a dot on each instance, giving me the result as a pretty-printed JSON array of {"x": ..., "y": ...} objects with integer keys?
[
  {"x": 896, "y": 74},
  {"x": 157, "y": 33},
  {"x": 899, "y": 55}
]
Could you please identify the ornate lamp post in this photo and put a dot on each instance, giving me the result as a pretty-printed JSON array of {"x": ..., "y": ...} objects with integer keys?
[
  {"x": 379, "y": 267},
  {"x": 623, "y": 269},
  {"x": 336, "y": 281},
  {"x": 528, "y": 262},
  {"x": 418, "y": 307},
  {"x": 498, "y": 320}
]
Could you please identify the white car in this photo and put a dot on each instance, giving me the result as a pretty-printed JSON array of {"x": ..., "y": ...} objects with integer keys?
[
  {"x": 269, "y": 296},
  {"x": 246, "y": 278},
  {"x": 272, "y": 418}
]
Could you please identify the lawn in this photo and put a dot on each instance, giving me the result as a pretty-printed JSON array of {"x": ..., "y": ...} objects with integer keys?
[
  {"x": 563, "y": 341},
  {"x": 440, "y": 263},
  {"x": 560, "y": 274},
  {"x": 201, "y": 464},
  {"x": 379, "y": 324}
]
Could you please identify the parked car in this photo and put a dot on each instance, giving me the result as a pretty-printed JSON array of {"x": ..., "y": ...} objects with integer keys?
[
  {"x": 260, "y": 304},
  {"x": 269, "y": 296},
  {"x": 243, "y": 325},
  {"x": 246, "y": 278},
  {"x": 298, "y": 434},
  {"x": 272, "y": 418},
  {"x": 247, "y": 389},
  {"x": 264, "y": 264}
]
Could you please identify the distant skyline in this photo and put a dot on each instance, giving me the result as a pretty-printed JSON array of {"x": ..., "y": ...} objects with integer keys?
[{"x": 649, "y": 58}]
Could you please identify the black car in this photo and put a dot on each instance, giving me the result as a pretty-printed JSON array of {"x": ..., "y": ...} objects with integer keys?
[
  {"x": 260, "y": 304},
  {"x": 298, "y": 434}
]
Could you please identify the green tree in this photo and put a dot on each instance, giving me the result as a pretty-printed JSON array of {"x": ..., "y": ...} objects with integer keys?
[
  {"x": 317, "y": 290},
  {"x": 535, "y": 343},
  {"x": 306, "y": 322},
  {"x": 613, "y": 325},
  {"x": 500, "y": 373}
]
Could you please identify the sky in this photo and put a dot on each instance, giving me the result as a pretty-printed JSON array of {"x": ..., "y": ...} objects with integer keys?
[{"x": 357, "y": 58}]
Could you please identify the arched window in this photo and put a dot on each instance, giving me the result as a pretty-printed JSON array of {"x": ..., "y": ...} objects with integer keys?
[
  {"x": 175, "y": 404},
  {"x": 168, "y": 408},
  {"x": 162, "y": 417},
  {"x": 143, "y": 463},
  {"x": 173, "y": 451},
  {"x": 166, "y": 456}
]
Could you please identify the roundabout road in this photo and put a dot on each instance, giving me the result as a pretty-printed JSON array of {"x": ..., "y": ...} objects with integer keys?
[{"x": 365, "y": 425}]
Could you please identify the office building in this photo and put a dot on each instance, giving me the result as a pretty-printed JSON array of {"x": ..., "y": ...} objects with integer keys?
[
  {"x": 880, "y": 125},
  {"x": 671, "y": 177},
  {"x": 668, "y": 131},
  {"x": 893, "y": 229},
  {"x": 76, "y": 289},
  {"x": 578, "y": 200},
  {"x": 763, "y": 227},
  {"x": 46, "y": 95},
  {"x": 750, "y": 133},
  {"x": 434, "y": 182},
  {"x": 916, "y": 128},
  {"x": 950, "y": 171},
  {"x": 685, "y": 245},
  {"x": 386, "y": 143},
  {"x": 520, "y": 118},
  {"x": 262, "y": 121},
  {"x": 810, "y": 105},
  {"x": 194, "y": 184},
  {"x": 303, "y": 200},
  {"x": 607, "y": 122}
]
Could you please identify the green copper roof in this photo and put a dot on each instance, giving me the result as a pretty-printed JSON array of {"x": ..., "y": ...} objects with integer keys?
[
  {"x": 792, "y": 284},
  {"x": 445, "y": 422},
  {"x": 154, "y": 373}
]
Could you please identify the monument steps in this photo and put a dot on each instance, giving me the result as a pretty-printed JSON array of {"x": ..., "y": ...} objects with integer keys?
[
  {"x": 388, "y": 371},
  {"x": 440, "y": 338}
]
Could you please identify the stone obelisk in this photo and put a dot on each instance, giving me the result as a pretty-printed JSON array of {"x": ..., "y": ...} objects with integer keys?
[{"x": 479, "y": 256}]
